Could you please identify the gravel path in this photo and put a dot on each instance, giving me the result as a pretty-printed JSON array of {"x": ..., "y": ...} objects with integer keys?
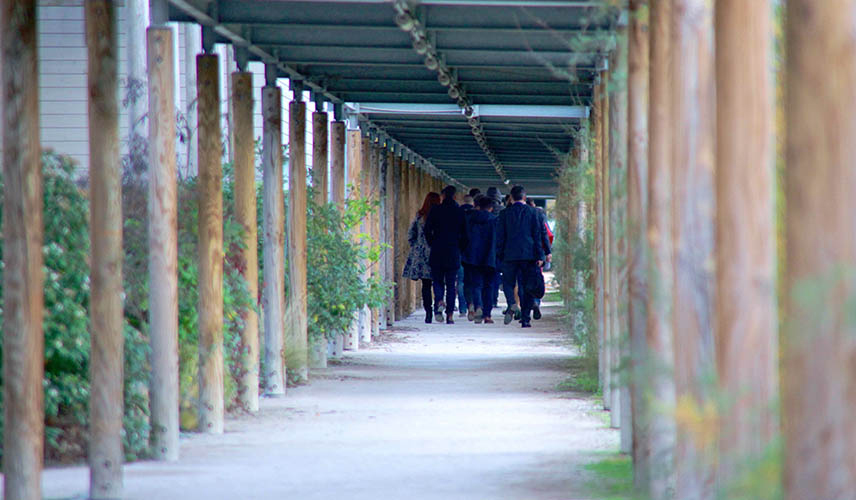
[{"x": 432, "y": 412}]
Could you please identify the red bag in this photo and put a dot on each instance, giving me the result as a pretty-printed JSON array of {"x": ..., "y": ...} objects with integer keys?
[{"x": 549, "y": 233}]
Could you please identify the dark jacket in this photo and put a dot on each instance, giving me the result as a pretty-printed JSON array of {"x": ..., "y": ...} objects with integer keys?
[
  {"x": 518, "y": 235},
  {"x": 481, "y": 235},
  {"x": 545, "y": 238},
  {"x": 445, "y": 232}
]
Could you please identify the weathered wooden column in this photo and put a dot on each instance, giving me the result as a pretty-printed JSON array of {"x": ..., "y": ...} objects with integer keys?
[
  {"x": 608, "y": 297},
  {"x": 296, "y": 342},
  {"x": 404, "y": 207},
  {"x": 337, "y": 189},
  {"x": 274, "y": 235},
  {"x": 637, "y": 213},
  {"x": 374, "y": 194},
  {"x": 618, "y": 225},
  {"x": 163, "y": 246},
  {"x": 415, "y": 290},
  {"x": 320, "y": 182},
  {"x": 390, "y": 213},
  {"x": 380, "y": 155},
  {"x": 660, "y": 269},
  {"x": 243, "y": 143},
  {"x": 599, "y": 290},
  {"x": 399, "y": 230},
  {"x": 365, "y": 192},
  {"x": 693, "y": 150},
  {"x": 337, "y": 164},
  {"x": 105, "y": 229},
  {"x": 819, "y": 373},
  {"x": 354, "y": 173},
  {"x": 210, "y": 199},
  {"x": 746, "y": 321},
  {"x": 319, "y": 157}
]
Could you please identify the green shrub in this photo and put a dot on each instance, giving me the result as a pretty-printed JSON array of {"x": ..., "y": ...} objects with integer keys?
[
  {"x": 335, "y": 271},
  {"x": 66, "y": 324}
]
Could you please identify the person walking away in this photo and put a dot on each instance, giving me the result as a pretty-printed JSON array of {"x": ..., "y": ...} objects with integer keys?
[
  {"x": 520, "y": 250},
  {"x": 418, "y": 266},
  {"x": 464, "y": 301},
  {"x": 545, "y": 243},
  {"x": 498, "y": 205},
  {"x": 479, "y": 259},
  {"x": 446, "y": 235}
]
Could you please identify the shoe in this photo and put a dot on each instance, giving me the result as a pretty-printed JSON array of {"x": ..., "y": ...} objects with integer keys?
[
  {"x": 450, "y": 319},
  {"x": 525, "y": 324},
  {"x": 488, "y": 321},
  {"x": 510, "y": 313},
  {"x": 471, "y": 314},
  {"x": 478, "y": 315},
  {"x": 536, "y": 312},
  {"x": 439, "y": 308},
  {"x": 429, "y": 317},
  {"x": 517, "y": 315}
]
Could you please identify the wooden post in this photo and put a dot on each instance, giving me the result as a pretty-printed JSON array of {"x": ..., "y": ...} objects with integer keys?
[
  {"x": 243, "y": 142},
  {"x": 210, "y": 199},
  {"x": 106, "y": 312},
  {"x": 746, "y": 322},
  {"x": 390, "y": 213},
  {"x": 337, "y": 164},
  {"x": 819, "y": 340},
  {"x": 367, "y": 194},
  {"x": 608, "y": 296},
  {"x": 599, "y": 291},
  {"x": 399, "y": 229},
  {"x": 414, "y": 201},
  {"x": 192, "y": 47},
  {"x": 374, "y": 194},
  {"x": 274, "y": 240},
  {"x": 404, "y": 246},
  {"x": 660, "y": 269},
  {"x": 618, "y": 224},
  {"x": 384, "y": 228},
  {"x": 319, "y": 157},
  {"x": 297, "y": 349},
  {"x": 354, "y": 167},
  {"x": 337, "y": 188},
  {"x": 637, "y": 212},
  {"x": 693, "y": 150},
  {"x": 23, "y": 283},
  {"x": 163, "y": 246}
]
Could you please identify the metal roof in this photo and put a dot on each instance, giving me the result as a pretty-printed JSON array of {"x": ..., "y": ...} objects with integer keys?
[{"x": 522, "y": 70}]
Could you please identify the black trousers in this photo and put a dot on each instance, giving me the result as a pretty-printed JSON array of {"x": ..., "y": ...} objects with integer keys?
[
  {"x": 427, "y": 303},
  {"x": 518, "y": 271},
  {"x": 478, "y": 286},
  {"x": 445, "y": 285}
]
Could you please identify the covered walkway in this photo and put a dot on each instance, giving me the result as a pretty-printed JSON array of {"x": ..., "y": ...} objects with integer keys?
[{"x": 437, "y": 411}]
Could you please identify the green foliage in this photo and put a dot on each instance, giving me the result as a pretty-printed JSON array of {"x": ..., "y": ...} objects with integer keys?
[
  {"x": 613, "y": 478},
  {"x": 336, "y": 282},
  {"x": 66, "y": 324},
  {"x": 576, "y": 246}
]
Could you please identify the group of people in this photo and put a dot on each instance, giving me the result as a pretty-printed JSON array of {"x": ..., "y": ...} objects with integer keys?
[{"x": 485, "y": 242}]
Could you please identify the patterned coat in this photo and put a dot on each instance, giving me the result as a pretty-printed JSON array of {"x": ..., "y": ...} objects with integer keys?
[{"x": 417, "y": 266}]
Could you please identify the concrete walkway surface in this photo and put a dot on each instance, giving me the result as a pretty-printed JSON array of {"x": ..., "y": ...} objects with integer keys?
[{"x": 437, "y": 411}]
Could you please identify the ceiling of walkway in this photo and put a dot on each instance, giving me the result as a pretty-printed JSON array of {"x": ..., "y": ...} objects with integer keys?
[{"x": 525, "y": 70}]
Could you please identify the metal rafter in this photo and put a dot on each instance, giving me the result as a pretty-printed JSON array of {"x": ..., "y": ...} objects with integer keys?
[{"x": 424, "y": 46}]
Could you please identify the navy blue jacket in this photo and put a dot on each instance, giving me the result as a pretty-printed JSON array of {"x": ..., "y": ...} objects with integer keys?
[
  {"x": 445, "y": 232},
  {"x": 518, "y": 235},
  {"x": 481, "y": 234}
]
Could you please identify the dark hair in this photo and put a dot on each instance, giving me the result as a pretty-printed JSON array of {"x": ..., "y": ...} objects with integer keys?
[
  {"x": 492, "y": 192},
  {"x": 517, "y": 193},
  {"x": 475, "y": 192},
  {"x": 484, "y": 203},
  {"x": 431, "y": 199},
  {"x": 449, "y": 192}
]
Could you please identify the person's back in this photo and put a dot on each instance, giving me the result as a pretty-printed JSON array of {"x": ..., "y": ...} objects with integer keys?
[
  {"x": 446, "y": 235},
  {"x": 519, "y": 234},
  {"x": 481, "y": 236}
]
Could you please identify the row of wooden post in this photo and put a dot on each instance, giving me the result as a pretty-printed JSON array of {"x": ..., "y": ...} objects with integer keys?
[
  {"x": 22, "y": 230},
  {"x": 685, "y": 274}
]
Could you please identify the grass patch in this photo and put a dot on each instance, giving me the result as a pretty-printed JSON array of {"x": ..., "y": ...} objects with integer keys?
[
  {"x": 552, "y": 297},
  {"x": 582, "y": 377},
  {"x": 613, "y": 478}
]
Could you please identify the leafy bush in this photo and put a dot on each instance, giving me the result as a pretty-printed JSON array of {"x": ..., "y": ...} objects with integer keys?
[
  {"x": 66, "y": 324},
  {"x": 335, "y": 271}
]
